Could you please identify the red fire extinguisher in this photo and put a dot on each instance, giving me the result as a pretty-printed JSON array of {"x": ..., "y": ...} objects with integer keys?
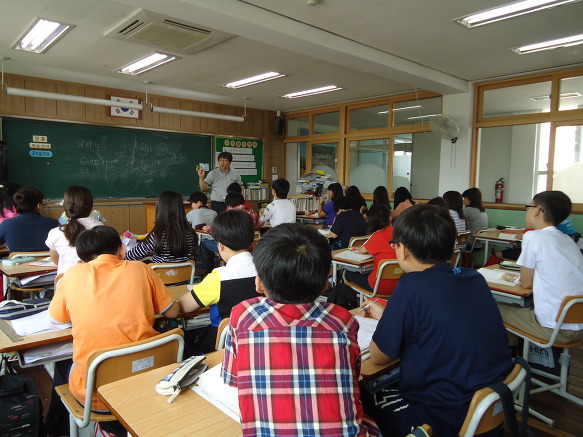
[{"x": 500, "y": 190}]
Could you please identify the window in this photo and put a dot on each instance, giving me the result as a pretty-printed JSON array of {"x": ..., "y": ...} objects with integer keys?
[
  {"x": 535, "y": 142},
  {"x": 299, "y": 126},
  {"x": 327, "y": 122},
  {"x": 415, "y": 111},
  {"x": 370, "y": 117},
  {"x": 324, "y": 158},
  {"x": 517, "y": 100},
  {"x": 369, "y": 163},
  {"x": 416, "y": 159}
]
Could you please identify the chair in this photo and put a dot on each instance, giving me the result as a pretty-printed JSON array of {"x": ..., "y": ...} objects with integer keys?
[
  {"x": 32, "y": 289},
  {"x": 175, "y": 273},
  {"x": 114, "y": 363},
  {"x": 358, "y": 241},
  {"x": 388, "y": 269},
  {"x": 463, "y": 238},
  {"x": 222, "y": 333},
  {"x": 455, "y": 258},
  {"x": 570, "y": 311},
  {"x": 485, "y": 412}
]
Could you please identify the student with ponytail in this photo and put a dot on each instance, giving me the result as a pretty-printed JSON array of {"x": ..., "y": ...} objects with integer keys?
[{"x": 78, "y": 204}]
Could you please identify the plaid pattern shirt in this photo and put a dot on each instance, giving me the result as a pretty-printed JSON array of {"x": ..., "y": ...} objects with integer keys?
[{"x": 296, "y": 368}]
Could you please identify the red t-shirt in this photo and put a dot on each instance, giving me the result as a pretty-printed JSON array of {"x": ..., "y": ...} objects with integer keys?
[{"x": 378, "y": 246}]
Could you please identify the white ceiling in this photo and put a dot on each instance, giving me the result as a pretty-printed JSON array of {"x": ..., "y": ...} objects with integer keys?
[{"x": 368, "y": 47}]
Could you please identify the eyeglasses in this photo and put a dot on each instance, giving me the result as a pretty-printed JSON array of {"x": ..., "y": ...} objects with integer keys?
[
  {"x": 533, "y": 206},
  {"x": 394, "y": 244}
]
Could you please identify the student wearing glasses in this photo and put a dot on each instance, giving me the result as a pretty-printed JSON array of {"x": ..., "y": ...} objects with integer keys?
[
  {"x": 444, "y": 325},
  {"x": 551, "y": 264}
]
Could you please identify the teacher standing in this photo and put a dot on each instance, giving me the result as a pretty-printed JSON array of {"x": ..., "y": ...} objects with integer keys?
[{"x": 219, "y": 179}]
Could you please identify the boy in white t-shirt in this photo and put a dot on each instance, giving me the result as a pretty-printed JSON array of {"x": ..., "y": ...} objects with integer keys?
[
  {"x": 552, "y": 265},
  {"x": 200, "y": 214},
  {"x": 281, "y": 210}
]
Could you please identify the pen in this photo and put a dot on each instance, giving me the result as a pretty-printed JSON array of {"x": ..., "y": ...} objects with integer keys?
[{"x": 368, "y": 305}]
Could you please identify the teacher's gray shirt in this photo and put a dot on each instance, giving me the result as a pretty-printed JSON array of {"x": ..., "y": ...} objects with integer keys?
[{"x": 219, "y": 182}]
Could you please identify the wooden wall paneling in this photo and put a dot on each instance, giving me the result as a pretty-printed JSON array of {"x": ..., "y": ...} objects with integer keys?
[
  {"x": 119, "y": 218},
  {"x": 52, "y": 212},
  {"x": 12, "y": 104},
  {"x": 40, "y": 107},
  {"x": 137, "y": 219},
  {"x": 150, "y": 119},
  {"x": 71, "y": 110},
  {"x": 210, "y": 125},
  {"x": 169, "y": 121},
  {"x": 95, "y": 113},
  {"x": 259, "y": 122},
  {"x": 190, "y": 124}
]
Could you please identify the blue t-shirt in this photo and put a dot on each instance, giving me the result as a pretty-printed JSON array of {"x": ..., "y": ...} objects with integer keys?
[
  {"x": 448, "y": 332},
  {"x": 27, "y": 232},
  {"x": 330, "y": 214}
]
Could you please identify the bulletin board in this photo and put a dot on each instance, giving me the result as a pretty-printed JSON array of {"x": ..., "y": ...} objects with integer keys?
[{"x": 247, "y": 156}]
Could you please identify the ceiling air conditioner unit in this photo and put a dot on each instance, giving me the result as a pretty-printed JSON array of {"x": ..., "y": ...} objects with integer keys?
[{"x": 161, "y": 32}]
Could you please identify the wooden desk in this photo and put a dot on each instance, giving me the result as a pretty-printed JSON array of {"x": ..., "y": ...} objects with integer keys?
[
  {"x": 145, "y": 413},
  {"x": 510, "y": 294},
  {"x": 203, "y": 235},
  {"x": 493, "y": 236},
  {"x": 353, "y": 266},
  {"x": 30, "y": 341},
  {"x": 10, "y": 272}
]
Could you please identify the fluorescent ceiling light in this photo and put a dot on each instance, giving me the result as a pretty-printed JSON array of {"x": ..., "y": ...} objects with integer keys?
[
  {"x": 405, "y": 108},
  {"x": 151, "y": 61},
  {"x": 41, "y": 35},
  {"x": 422, "y": 116},
  {"x": 509, "y": 11},
  {"x": 383, "y": 112},
  {"x": 324, "y": 89},
  {"x": 253, "y": 80},
  {"x": 568, "y": 95},
  {"x": 548, "y": 45}
]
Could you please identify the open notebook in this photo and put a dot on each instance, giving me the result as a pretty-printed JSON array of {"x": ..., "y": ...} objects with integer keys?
[{"x": 352, "y": 255}]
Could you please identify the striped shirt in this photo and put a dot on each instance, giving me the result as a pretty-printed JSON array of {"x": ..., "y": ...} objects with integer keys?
[
  {"x": 146, "y": 248},
  {"x": 296, "y": 368}
]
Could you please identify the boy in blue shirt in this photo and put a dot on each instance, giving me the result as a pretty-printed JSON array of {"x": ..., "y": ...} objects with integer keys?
[{"x": 444, "y": 325}]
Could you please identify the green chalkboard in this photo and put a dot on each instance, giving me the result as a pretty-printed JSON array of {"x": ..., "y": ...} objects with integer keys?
[{"x": 112, "y": 162}]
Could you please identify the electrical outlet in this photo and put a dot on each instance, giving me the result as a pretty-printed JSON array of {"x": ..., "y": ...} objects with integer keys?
[{"x": 273, "y": 170}]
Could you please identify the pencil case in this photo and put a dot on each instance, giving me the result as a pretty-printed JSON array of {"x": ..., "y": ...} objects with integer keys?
[
  {"x": 18, "y": 260},
  {"x": 13, "y": 309}
]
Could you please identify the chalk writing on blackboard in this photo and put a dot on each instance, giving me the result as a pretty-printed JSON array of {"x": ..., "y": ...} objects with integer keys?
[{"x": 127, "y": 168}]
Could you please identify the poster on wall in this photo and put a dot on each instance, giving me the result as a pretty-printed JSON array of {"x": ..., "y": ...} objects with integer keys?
[{"x": 247, "y": 156}]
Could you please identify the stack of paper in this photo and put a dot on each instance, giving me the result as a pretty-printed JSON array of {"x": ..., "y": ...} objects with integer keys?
[
  {"x": 48, "y": 351},
  {"x": 45, "y": 278},
  {"x": 365, "y": 332},
  {"x": 44, "y": 262},
  {"x": 210, "y": 386},
  {"x": 507, "y": 236},
  {"x": 498, "y": 276},
  {"x": 39, "y": 322},
  {"x": 353, "y": 255},
  {"x": 199, "y": 321}
]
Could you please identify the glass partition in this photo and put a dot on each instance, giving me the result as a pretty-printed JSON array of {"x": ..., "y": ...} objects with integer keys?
[
  {"x": 571, "y": 93},
  {"x": 324, "y": 157},
  {"x": 519, "y": 154},
  {"x": 415, "y": 111},
  {"x": 369, "y": 163},
  {"x": 327, "y": 122},
  {"x": 298, "y": 126},
  {"x": 416, "y": 163},
  {"x": 568, "y": 162},
  {"x": 371, "y": 117},
  {"x": 517, "y": 100}
]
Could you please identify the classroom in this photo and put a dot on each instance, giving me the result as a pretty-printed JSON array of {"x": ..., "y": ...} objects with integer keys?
[{"x": 400, "y": 95}]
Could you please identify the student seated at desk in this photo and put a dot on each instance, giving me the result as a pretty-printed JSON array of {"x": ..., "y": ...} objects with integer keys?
[
  {"x": 281, "y": 209},
  {"x": 78, "y": 204},
  {"x": 379, "y": 225},
  {"x": 200, "y": 214},
  {"x": 442, "y": 323},
  {"x": 326, "y": 204},
  {"x": 551, "y": 264},
  {"x": 28, "y": 231},
  {"x": 109, "y": 301},
  {"x": 403, "y": 200},
  {"x": 295, "y": 362},
  {"x": 475, "y": 214},
  {"x": 225, "y": 286},
  {"x": 348, "y": 223},
  {"x": 172, "y": 240}
]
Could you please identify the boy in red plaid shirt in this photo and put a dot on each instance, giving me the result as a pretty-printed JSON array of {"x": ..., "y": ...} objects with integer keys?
[{"x": 294, "y": 361}]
